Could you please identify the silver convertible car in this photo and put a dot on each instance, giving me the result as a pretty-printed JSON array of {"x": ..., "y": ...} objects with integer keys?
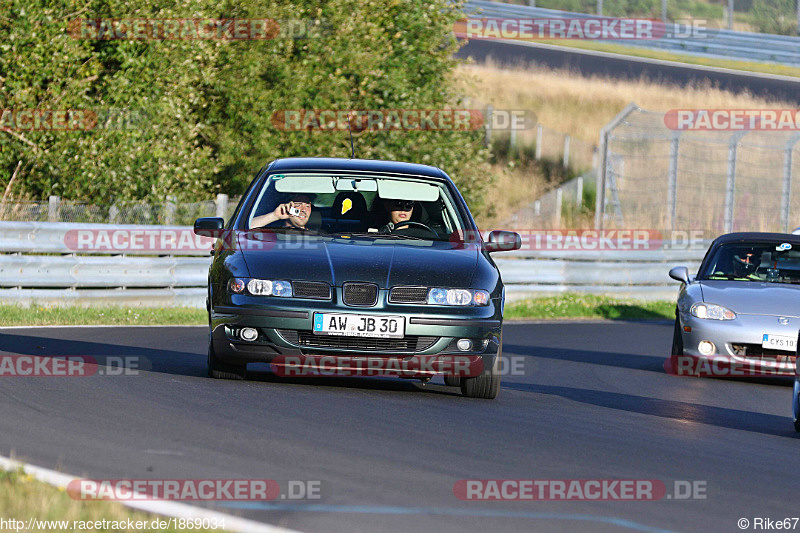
[{"x": 740, "y": 314}]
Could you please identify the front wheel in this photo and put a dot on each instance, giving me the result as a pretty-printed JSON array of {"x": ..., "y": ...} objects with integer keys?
[
  {"x": 677, "y": 337},
  {"x": 487, "y": 384},
  {"x": 219, "y": 370}
]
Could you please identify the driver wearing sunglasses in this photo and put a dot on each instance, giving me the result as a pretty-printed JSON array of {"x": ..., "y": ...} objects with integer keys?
[{"x": 399, "y": 211}]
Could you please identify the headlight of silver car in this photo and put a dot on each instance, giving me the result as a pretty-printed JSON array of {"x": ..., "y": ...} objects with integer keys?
[
  {"x": 712, "y": 312},
  {"x": 440, "y": 296}
]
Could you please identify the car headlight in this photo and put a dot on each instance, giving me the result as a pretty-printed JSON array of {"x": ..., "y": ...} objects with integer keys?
[
  {"x": 712, "y": 312},
  {"x": 261, "y": 287},
  {"x": 438, "y": 296},
  {"x": 266, "y": 287}
]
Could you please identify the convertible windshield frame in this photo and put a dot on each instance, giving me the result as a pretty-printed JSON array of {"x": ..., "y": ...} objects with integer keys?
[{"x": 752, "y": 261}]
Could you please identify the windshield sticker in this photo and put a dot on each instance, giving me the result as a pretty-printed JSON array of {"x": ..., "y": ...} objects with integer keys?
[
  {"x": 277, "y": 177},
  {"x": 347, "y": 205},
  {"x": 783, "y": 246}
]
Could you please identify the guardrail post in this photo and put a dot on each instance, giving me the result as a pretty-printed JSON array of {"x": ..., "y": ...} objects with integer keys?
[
  {"x": 559, "y": 206},
  {"x": 488, "y": 126},
  {"x": 672, "y": 177},
  {"x": 566, "y": 150},
  {"x": 53, "y": 204},
  {"x": 786, "y": 193},
  {"x": 538, "y": 142},
  {"x": 222, "y": 205}
]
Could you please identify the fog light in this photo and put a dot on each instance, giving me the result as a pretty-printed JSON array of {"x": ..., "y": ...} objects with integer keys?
[
  {"x": 464, "y": 345},
  {"x": 706, "y": 347},
  {"x": 248, "y": 334}
]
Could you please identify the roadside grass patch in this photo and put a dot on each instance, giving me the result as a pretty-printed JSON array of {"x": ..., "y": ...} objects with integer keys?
[
  {"x": 23, "y": 498},
  {"x": 582, "y": 306},
  {"x": 35, "y": 315}
]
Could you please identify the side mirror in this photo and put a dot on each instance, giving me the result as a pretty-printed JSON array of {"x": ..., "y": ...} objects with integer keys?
[
  {"x": 209, "y": 226},
  {"x": 503, "y": 241},
  {"x": 680, "y": 273}
]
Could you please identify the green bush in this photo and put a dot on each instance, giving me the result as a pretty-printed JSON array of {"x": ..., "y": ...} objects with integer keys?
[{"x": 207, "y": 103}]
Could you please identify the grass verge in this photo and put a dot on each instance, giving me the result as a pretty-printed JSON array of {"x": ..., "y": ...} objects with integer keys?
[
  {"x": 566, "y": 306},
  {"x": 15, "y": 315},
  {"x": 583, "y": 306},
  {"x": 23, "y": 498}
]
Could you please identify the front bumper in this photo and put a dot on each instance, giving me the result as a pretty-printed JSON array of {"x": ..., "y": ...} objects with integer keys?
[
  {"x": 746, "y": 331},
  {"x": 286, "y": 330}
]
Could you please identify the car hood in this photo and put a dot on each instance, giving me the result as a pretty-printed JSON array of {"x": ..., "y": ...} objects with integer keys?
[
  {"x": 385, "y": 263},
  {"x": 753, "y": 298}
]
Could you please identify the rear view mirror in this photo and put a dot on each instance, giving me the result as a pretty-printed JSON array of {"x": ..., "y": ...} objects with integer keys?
[
  {"x": 680, "y": 273},
  {"x": 209, "y": 226},
  {"x": 503, "y": 241}
]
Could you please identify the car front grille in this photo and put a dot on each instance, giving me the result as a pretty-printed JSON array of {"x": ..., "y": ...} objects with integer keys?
[
  {"x": 360, "y": 294},
  {"x": 408, "y": 295},
  {"x": 408, "y": 344},
  {"x": 313, "y": 290},
  {"x": 759, "y": 353}
]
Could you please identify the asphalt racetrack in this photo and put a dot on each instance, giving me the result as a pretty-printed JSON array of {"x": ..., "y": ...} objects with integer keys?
[
  {"x": 589, "y": 401},
  {"x": 591, "y": 63}
]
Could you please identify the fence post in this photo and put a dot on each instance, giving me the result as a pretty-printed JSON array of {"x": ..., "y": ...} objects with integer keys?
[
  {"x": 730, "y": 181},
  {"x": 488, "y": 125},
  {"x": 53, "y": 205},
  {"x": 222, "y": 205},
  {"x": 537, "y": 208},
  {"x": 603, "y": 170},
  {"x": 786, "y": 193},
  {"x": 664, "y": 11},
  {"x": 566, "y": 150},
  {"x": 579, "y": 192},
  {"x": 512, "y": 144},
  {"x": 559, "y": 206},
  {"x": 532, "y": 3},
  {"x": 672, "y": 180},
  {"x": 599, "y": 8},
  {"x": 113, "y": 214},
  {"x": 538, "y": 142},
  {"x": 170, "y": 210}
]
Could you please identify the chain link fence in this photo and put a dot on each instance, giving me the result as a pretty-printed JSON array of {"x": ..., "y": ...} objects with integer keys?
[
  {"x": 651, "y": 176},
  {"x": 167, "y": 213}
]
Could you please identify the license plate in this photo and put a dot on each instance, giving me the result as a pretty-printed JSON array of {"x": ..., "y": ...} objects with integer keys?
[
  {"x": 359, "y": 325},
  {"x": 779, "y": 342}
]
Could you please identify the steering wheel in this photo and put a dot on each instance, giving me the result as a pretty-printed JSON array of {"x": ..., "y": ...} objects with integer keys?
[{"x": 417, "y": 224}]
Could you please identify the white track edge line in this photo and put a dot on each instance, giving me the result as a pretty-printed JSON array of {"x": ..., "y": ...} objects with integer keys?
[{"x": 165, "y": 508}]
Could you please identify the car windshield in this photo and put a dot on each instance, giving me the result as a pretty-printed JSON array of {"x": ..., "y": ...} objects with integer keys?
[
  {"x": 773, "y": 262},
  {"x": 363, "y": 205}
]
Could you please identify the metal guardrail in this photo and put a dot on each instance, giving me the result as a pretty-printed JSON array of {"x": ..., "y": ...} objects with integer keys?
[
  {"x": 721, "y": 43},
  {"x": 66, "y": 277}
]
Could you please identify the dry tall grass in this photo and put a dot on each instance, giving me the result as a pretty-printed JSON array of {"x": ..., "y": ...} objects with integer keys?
[{"x": 576, "y": 105}]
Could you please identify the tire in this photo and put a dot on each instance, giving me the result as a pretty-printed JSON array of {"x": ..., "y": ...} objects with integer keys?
[
  {"x": 677, "y": 337},
  {"x": 797, "y": 426},
  {"x": 796, "y": 404},
  {"x": 219, "y": 370},
  {"x": 487, "y": 385},
  {"x": 452, "y": 381}
]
